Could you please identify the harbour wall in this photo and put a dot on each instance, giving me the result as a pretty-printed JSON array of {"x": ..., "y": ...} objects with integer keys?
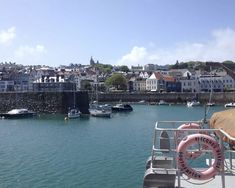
[
  {"x": 218, "y": 97},
  {"x": 45, "y": 102},
  {"x": 60, "y": 102}
]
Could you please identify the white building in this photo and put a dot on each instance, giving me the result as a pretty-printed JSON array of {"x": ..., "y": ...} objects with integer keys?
[
  {"x": 211, "y": 82},
  {"x": 189, "y": 85},
  {"x": 157, "y": 81},
  {"x": 228, "y": 83}
]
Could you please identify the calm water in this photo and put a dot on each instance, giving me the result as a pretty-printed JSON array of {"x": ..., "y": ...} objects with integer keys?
[{"x": 84, "y": 153}]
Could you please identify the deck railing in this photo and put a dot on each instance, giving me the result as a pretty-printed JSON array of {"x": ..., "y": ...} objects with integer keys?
[{"x": 171, "y": 127}]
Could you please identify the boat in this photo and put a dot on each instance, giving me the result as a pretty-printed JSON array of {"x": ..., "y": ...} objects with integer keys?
[
  {"x": 74, "y": 113},
  {"x": 18, "y": 113},
  {"x": 193, "y": 103},
  {"x": 162, "y": 102},
  {"x": 122, "y": 108},
  {"x": 210, "y": 104},
  {"x": 193, "y": 153},
  {"x": 100, "y": 110},
  {"x": 141, "y": 102},
  {"x": 97, "y": 110},
  {"x": 100, "y": 113},
  {"x": 229, "y": 105}
]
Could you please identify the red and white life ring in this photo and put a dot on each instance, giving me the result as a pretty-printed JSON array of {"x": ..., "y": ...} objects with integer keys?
[
  {"x": 180, "y": 135},
  {"x": 211, "y": 145}
]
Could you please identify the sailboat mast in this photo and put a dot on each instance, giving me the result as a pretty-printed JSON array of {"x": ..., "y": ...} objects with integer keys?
[{"x": 74, "y": 90}]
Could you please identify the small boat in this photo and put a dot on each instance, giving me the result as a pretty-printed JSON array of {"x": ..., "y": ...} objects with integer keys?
[
  {"x": 18, "y": 113},
  {"x": 193, "y": 103},
  {"x": 122, "y": 108},
  {"x": 74, "y": 113},
  {"x": 100, "y": 113},
  {"x": 229, "y": 105},
  {"x": 210, "y": 104},
  {"x": 141, "y": 102},
  {"x": 162, "y": 102},
  {"x": 100, "y": 110}
]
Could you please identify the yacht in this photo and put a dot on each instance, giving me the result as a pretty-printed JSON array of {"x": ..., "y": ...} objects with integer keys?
[
  {"x": 210, "y": 104},
  {"x": 97, "y": 110},
  {"x": 231, "y": 104},
  {"x": 18, "y": 113},
  {"x": 74, "y": 113},
  {"x": 122, "y": 108},
  {"x": 100, "y": 113},
  {"x": 193, "y": 103},
  {"x": 189, "y": 154},
  {"x": 162, "y": 102}
]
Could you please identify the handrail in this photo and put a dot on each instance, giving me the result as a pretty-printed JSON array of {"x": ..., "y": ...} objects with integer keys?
[{"x": 156, "y": 148}]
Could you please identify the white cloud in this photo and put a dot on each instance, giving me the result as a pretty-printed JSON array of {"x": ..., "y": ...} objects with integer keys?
[
  {"x": 220, "y": 48},
  {"x": 24, "y": 51},
  {"x": 136, "y": 55},
  {"x": 30, "y": 54},
  {"x": 7, "y": 36}
]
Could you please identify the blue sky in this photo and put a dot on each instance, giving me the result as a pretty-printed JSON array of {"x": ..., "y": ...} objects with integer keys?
[{"x": 117, "y": 32}]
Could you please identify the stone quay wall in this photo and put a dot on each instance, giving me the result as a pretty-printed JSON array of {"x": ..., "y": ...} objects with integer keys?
[
  {"x": 60, "y": 102},
  {"x": 45, "y": 102},
  {"x": 218, "y": 97}
]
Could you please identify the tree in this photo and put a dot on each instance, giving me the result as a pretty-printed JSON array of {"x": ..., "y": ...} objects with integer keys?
[
  {"x": 118, "y": 81},
  {"x": 86, "y": 85},
  {"x": 124, "y": 68}
]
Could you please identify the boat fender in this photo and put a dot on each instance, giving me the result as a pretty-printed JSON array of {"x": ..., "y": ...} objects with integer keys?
[
  {"x": 211, "y": 144},
  {"x": 180, "y": 134}
]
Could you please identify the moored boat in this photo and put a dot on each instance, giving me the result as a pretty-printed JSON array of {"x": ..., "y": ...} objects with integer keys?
[
  {"x": 100, "y": 110},
  {"x": 210, "y": 104},
  {"x": 229, "y": 105},
  {"x": 18, "y": 113},
  {"x": 122, "y": 108},
  {"x": 100, "y": 113},
  {"x": 74, "y": 113},
  {"x": 193, "y": 103},
  {"x": 162, "y": 102}
]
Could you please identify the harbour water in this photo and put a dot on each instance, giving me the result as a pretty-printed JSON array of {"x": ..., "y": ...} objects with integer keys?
[{"x": 48, "y": 151}]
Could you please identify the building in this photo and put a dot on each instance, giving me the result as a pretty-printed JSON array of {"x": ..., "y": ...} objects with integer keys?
[
  {"x": 57, "y": 83},
  {"x": 137, "y": 84},
  {"x": 190, "y": 84},
  {"x": 155, "y": 67},
  {"x": 6, "y": 85},
  {"x": 160, "y": 82}
]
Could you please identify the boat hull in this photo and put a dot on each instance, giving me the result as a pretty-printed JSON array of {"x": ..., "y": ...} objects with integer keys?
[{"x": 17, "y": 116}]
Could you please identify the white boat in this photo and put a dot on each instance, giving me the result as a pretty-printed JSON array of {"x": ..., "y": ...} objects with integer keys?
[
  {"x": 162, "y": 102},
  {"x": 229, "y": 105},
  {"x": 192, "y": 157},
  {"x": 100, "y": 113},
  {"x": 210, "y": 104},
  {"x": 121, "y": 107},
  {"x": 74, "y": 113},
  {"x": 193, "y": 103},
  {"x": 141, "y": 102},
  {"x": 18, "y": 113}
]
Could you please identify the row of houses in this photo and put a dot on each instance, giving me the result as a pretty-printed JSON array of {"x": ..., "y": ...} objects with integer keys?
[
  {"x": 182, "y": 80},
  {"x": 138, "y": 80}
]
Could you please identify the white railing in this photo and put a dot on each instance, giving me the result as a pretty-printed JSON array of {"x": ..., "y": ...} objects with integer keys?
[{"x": 171, "y": 128}]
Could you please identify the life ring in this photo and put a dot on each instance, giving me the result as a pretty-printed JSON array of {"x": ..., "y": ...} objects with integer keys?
[
  {"x": 180, "y": 136},
  {"x": 211, "y": 144}
]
